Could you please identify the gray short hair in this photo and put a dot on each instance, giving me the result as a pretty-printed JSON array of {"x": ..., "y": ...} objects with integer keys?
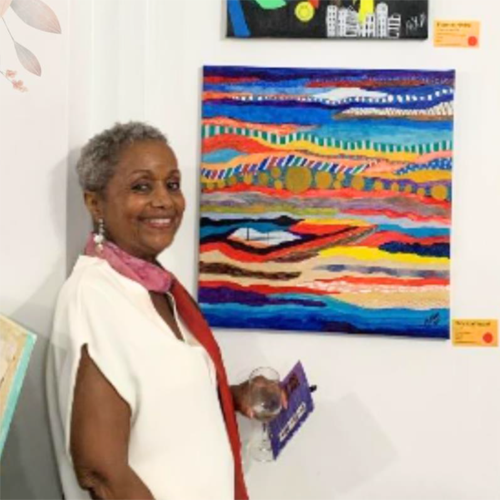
[{"x": 101, "y": 154}]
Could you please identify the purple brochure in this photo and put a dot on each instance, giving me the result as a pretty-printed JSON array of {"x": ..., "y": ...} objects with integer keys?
[{"x": 300, "y": 405}]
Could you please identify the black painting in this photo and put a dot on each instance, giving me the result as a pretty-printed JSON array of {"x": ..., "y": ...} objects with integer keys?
[{"x": 335, "y": 19}]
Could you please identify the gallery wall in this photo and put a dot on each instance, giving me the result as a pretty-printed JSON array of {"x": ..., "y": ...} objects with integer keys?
[
  {"x": 33, "y": 171},
  {"x": 395, "y": 418}
]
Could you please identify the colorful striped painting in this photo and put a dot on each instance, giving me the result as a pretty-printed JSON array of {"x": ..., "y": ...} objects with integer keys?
[{"x": 326, "y": 200}]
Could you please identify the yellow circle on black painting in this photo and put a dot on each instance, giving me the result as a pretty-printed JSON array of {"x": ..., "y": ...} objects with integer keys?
[
  {"x": 278, "y": 185},
  {"x": 378, "y": 186},
  {"x": 395, "y": 187},
  {"x": 298, "y": 179},
  {"x": 304, "y": 11},
  {"x": 324, "y": 180},
  {"x": 358, "y": 183},
  {"x": 439, "y": 192},
  {"x": 248, "y": 179},
  {"x": 263, "y": 179},
  {"x": 421, "y": 192},
  {"x": 276, "y": 172}
]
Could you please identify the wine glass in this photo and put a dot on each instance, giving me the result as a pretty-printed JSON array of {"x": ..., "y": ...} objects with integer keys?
[{"x": 265, "y": 402}]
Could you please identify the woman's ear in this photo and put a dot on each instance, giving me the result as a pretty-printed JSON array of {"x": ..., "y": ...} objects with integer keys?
[{"x": 93, "y": 201}]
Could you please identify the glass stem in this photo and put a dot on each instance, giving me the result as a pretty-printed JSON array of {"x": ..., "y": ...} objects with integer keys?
[{"x": 266, "y": 443}]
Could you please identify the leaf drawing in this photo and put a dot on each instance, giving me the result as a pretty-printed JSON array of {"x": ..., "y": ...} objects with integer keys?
[
  {"x": 37, "y": 14},
  {"x": 28, "y": 59},
  {"x": 4, "y": 5}
]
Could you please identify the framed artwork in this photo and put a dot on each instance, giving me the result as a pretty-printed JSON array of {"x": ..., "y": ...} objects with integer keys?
[
  {"x": 16, "y": 345},
  {"x": 336, "y": 19},
  {"x": 326, "y": 200}
]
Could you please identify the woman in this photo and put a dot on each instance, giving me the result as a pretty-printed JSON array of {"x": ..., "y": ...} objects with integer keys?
[{"x": 139, "y": 401}]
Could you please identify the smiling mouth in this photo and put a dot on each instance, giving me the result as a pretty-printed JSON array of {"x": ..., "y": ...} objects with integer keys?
[{"x": 160, "y": 223}]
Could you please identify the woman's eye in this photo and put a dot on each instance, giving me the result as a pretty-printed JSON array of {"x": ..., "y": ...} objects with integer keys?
[
  {"x": 141, "y": 187},
  {"x": 174, "y": 185}
]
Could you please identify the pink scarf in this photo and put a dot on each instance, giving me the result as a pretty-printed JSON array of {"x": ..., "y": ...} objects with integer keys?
[
  {"x": 156, "y": 279},
  {"x": 151, "y": 277}
]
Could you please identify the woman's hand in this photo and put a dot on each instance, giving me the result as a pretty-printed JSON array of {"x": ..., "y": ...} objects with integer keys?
[{"x": 241, "y": 397}]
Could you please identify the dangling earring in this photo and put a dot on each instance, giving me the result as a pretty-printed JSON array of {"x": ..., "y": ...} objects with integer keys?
[{"x": 99, "y": 237}]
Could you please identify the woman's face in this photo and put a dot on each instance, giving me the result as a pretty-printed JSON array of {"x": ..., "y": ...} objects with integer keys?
[{"x": 143, "y": 204}]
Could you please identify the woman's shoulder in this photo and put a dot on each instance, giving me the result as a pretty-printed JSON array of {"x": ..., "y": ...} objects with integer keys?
[
  {"x": 89, "y": 271},
  {"x": 87, "y": 288},
  {"x": 92, "y": 276}
]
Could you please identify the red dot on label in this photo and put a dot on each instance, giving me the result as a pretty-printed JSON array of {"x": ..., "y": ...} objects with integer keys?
[
  {"x": 488, "y": 338},
  {"x": 473, "y": 41}
]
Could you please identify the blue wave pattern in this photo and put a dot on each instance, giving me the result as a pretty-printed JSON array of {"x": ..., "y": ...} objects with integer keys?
[{"x": 326, "y": 315}]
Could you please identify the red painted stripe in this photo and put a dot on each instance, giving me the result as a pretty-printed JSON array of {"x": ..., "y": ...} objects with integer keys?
[
  {"x": 375, "y": 240},
  {"x": 416, "y": 282},
  {"x": 319, "y": 229},
  {"x": 229, "y": 251},
  {"x": 240, "y": 143},
  {"x": 229, "y": 79},
  {"x": 392, "y": 214},
  {"x": 248, "y": 256},
  {"x": 365, "y": 83},
  {"x": 352, "y": 193},
  {"x": 274, "y": 128},
  {"x": 243, "y": 188}
]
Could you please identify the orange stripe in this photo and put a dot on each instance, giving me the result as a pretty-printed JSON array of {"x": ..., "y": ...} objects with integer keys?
[
  {"x": 416, "y": 282},
  {"x": 243, "y": 144},
  {"x": 230, "y": 122}
]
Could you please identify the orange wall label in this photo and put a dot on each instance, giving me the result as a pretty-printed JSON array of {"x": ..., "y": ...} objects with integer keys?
[
  {"x": 463, "y": 34},
  {"x": 475, "y": 332}
]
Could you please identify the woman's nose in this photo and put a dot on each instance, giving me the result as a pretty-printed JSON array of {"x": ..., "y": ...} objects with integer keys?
[{"x": 161, "y": 197}]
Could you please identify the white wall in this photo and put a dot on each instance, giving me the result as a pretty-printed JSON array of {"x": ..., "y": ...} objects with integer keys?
[
  {"x": 396, "y": 418},
  {"x": 33, "y": 167}
]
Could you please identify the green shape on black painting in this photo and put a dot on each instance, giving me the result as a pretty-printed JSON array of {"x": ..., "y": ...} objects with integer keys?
[{"x": 271, "y": 4}]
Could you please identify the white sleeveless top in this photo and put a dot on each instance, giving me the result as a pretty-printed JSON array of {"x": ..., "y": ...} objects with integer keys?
[{"x": 178, "y": 443}]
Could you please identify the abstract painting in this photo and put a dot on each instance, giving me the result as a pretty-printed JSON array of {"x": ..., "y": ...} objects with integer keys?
[
  {"x": 326, "y": 200},
  {"x": 16, "y": 345},
  {"x": 341, "y": 19}
]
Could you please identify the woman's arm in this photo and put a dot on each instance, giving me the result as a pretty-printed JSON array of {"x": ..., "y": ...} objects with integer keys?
[{"x": 100, "y": 432}]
